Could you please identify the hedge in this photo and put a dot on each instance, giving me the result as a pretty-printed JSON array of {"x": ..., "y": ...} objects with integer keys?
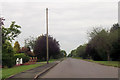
[{"x": 23, "y": 56}]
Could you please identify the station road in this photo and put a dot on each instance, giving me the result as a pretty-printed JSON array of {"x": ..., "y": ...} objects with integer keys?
[{"x": 76, "y": 68}]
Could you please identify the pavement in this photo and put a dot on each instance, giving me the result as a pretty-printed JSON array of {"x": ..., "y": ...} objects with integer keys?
[{"x": 76, "y": 68}]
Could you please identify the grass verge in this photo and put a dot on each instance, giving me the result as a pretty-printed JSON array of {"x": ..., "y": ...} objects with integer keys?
[
  {"x": 106, "y": 63},
  {"x": 109, "y": 63}
]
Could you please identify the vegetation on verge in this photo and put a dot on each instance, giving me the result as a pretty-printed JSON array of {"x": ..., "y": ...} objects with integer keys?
[{"x": 102, "y": 46}]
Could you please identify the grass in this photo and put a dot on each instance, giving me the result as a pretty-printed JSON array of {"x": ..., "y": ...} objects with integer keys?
[
  {"x": 7, "y": 72},
  {"x": 106, "y": 63},
  {"x": 109, "y": 63},
  {"x": 14, "y": 70}
]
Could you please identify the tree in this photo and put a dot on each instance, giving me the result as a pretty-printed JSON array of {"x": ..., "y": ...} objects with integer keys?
[
  {"x": 11, "y": 32},
  {"x": 104, "y": 44},
  {"x": 81, "y": 51},
  {"x": 30, "y": 42},
  {"x": 40, "y": 47},
  {"x": 115, "y": 41},
  {"x": 115, "y": 27},
  {"x": 17, "y": 46},
  {"x": 26, "y": 51},
  {"x": 64, "y": 53},
  {"x": 73, "y": 53},
  {"x": 69, "y": 55},
  {"x": 101, "y": 42},
  {"x": 92, "y": 53}
]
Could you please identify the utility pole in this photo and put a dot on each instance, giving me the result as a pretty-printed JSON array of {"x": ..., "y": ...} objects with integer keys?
[{"x": 47, "y": 34}]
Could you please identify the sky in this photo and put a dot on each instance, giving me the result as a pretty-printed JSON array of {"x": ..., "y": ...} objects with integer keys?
[{"x": 69, "y": 20}]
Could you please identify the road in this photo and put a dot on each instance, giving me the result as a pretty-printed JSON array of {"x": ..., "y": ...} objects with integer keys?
[{"x": 76, "y": 68}]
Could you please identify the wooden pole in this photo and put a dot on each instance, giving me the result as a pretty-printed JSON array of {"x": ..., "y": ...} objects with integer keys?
[{"x": 47, "y": 34}]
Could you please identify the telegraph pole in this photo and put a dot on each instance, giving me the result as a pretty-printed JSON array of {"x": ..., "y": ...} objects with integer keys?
[{"x": 47, "y": 34}]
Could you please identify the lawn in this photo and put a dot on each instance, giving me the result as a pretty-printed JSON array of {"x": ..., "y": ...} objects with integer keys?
[
  {"x": 7, "y": 72},
  {"x": 106, "y": 63}
]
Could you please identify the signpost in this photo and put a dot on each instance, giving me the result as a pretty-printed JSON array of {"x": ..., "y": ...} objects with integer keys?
[{"x": 19, "y": 61}]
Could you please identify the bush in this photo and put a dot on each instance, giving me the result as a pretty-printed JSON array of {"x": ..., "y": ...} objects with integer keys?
[
  {"x": 23, "y": 56},
  {"x": 7, "y": 55}
]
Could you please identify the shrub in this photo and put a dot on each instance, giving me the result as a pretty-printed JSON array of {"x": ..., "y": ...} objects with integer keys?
[
  {"x": 7, "y": 55},
  {"x": 23, "y": 56}
]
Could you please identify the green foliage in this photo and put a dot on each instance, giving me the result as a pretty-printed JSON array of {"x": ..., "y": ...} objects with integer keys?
[
  {"x": 106, "y": 63},
  {"x": 64, "y": 53},
  {"x": 23, "y": 56},
  {"x": 11, "y": 32},
  {"x": 109, "y": 63},
  {"x": 7, "y": 54},
  {"x": 79, "y": 52},
  {"x": 73, "y": 53},
  {"x": 60, "y": 55},
  {"x": 69, "y": 55},
  {"x": 16, "y": 46},
  {"x": 115, "y": 41},
  {"x": 101, "y": 42},
  {"x": 103, "y": 45}
]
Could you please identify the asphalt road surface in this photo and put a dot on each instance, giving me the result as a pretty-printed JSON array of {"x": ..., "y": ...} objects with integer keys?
[{"x": 76, "y": 68}]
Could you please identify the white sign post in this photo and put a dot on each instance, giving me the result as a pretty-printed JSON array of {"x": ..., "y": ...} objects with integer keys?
[{"x": 19, "y": 61}]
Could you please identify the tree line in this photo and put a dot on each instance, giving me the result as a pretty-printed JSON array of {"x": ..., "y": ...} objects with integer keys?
[{"x": 103, "y": 45}]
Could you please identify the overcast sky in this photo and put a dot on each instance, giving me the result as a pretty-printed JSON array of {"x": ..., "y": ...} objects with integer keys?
[{"x": 69, "y": 20}]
